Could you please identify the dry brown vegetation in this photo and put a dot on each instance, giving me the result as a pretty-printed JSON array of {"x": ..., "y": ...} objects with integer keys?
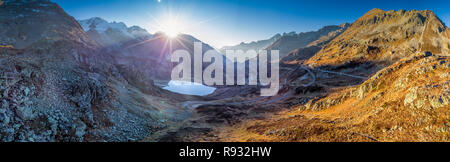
[
  {"x": 408, "y": 101},
  {"x": 385, "y": 36}
]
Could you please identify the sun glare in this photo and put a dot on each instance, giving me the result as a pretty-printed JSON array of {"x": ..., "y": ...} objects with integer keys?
[
  {"x": 172, "y": 24},
  {"x": 172, "y": 27}
]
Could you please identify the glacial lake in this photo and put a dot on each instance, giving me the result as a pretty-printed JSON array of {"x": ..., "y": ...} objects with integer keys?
[{"x": 189, "y": 88}]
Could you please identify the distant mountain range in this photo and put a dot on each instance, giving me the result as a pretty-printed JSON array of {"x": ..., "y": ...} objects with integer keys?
[
  {"x": 292, "y": 41},
  {"x": 134, "y": 49},
  {"x": 288, "y": 42},
  {"x": 304, "y": 53},
  {"x": 255, "y": 45},
  {"x": 153, "y": 55},
  {"x": 112, "y": 33}
]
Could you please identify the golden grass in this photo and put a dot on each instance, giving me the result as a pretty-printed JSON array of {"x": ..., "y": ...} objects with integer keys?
[
  {"x": 6, "y": 46},
  {"x": 380, "y": 116}
]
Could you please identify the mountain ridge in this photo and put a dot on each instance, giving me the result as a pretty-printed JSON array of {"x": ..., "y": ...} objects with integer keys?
[
  {"x": 292, "y": 41},
  {"x": 384, "y": 79},
  {"x": 39, "y": 14},
  {"x": 112, "y": 33},
  {"x": 386, "y": 36},
  {"x": 254, "y": 45}
]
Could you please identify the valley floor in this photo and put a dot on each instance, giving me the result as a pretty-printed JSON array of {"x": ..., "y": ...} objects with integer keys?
[{"x": 383, "y": 108}]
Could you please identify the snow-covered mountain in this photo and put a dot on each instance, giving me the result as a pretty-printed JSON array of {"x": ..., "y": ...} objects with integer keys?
[{"x": 112, "y": 33}]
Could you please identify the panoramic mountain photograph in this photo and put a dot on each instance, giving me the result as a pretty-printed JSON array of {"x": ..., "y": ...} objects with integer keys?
[{"x": 214, "y": 71}]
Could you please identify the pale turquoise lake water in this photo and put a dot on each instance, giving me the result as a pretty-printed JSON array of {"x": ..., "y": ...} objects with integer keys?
[{"x": 189, "y": 88}]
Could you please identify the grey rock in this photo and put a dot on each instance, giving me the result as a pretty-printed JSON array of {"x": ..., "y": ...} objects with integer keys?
[
  {"x": 80, "y": 130},
  {"x": 25, "y": 112},
  {"x": 4, "y": 118},
  {"x": 26, "y": 91}
]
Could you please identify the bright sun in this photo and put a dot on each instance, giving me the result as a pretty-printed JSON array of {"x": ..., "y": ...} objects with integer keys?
[
  {"x": 172, "y": 24},
  {"x": 172, "y": 27}
]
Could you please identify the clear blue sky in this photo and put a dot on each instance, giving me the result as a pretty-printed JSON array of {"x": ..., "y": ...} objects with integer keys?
[{"x": 229, "y": 22}]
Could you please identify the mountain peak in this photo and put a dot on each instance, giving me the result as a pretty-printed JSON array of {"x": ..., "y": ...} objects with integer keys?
[
  {"x": 44, "y": 20},
  {"x": 375, "y": 10},
  {"x": 386, "y": 36},
  {"x": 101, "y": 25},
  {"x": 112, "y": 33},
  {"x": 96, "y": 20},
  {"x": 381, "y": 16},
  {"x": 345, "y": 25}
]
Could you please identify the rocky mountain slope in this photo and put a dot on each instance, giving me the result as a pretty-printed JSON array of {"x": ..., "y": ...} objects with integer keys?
[
  {"x": 386, "y": 36},
  {"x": 23, "y": 23},
  {"x": 384, "y": 79},
  {"x": 58, "y": 85},
  {"x": 407, "y": 101},
  {"x": 112, "y": 33},
  {"x": 292, "y": 41},
  {"x": 153, "y": 55},
  {"x": 300, "y": 55}
]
